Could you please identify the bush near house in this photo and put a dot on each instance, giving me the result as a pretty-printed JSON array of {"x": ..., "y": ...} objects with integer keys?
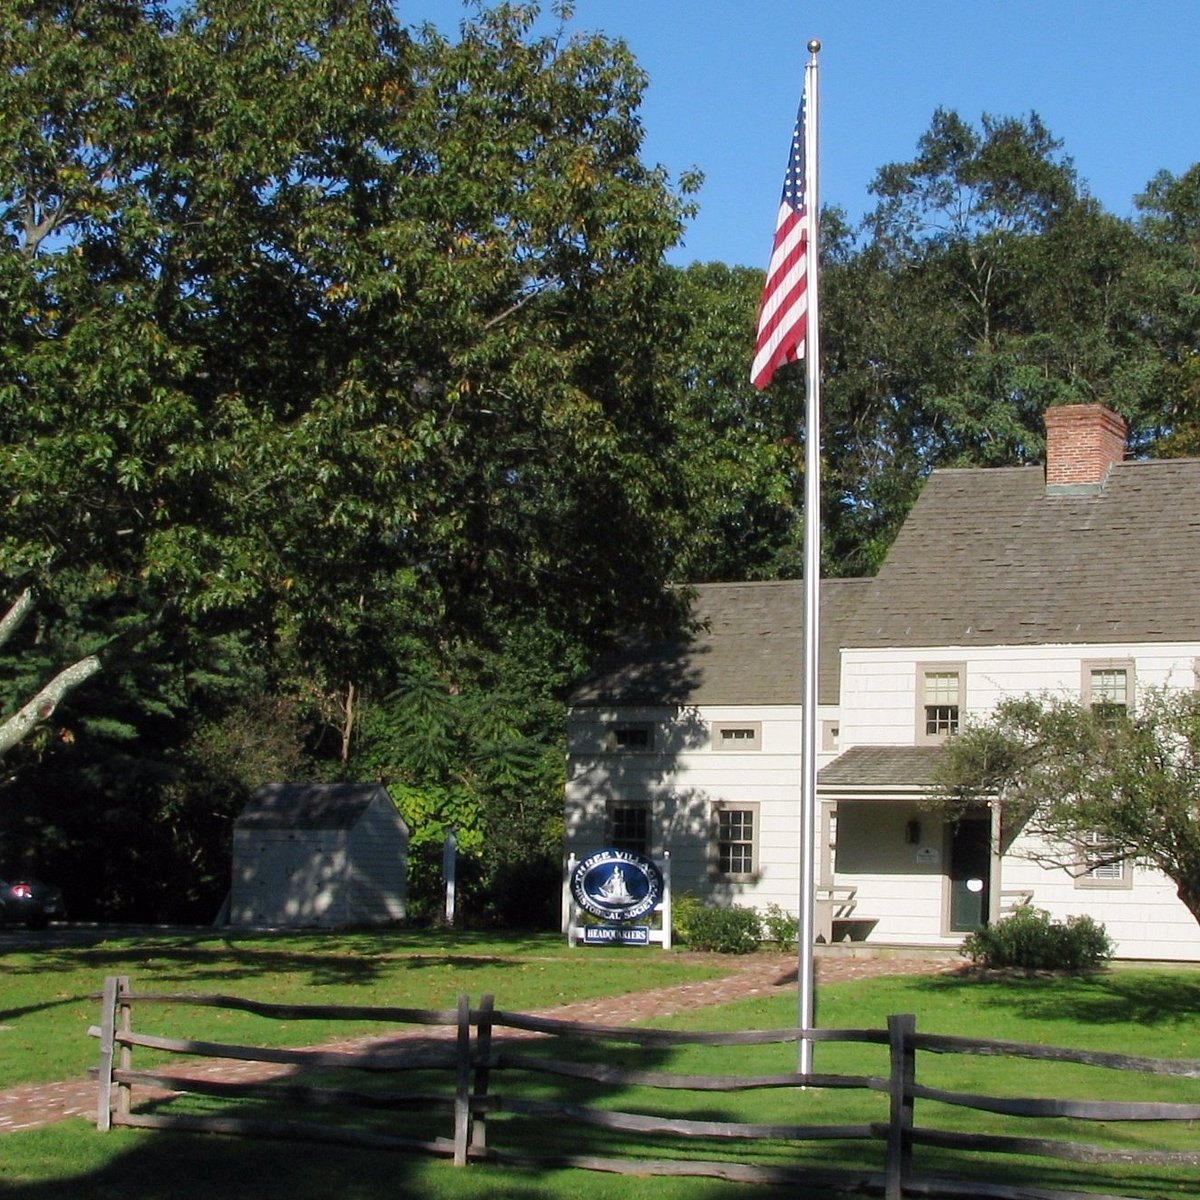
[
  {"x": 1030, "y": 940},
  {"x": 730, "y": 929}
]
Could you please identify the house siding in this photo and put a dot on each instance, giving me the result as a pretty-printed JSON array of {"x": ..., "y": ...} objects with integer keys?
[{"x": 682, "y": 781}]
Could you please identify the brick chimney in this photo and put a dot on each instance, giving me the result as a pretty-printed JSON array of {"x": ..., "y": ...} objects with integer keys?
[{"x": 1082, "y": 442}]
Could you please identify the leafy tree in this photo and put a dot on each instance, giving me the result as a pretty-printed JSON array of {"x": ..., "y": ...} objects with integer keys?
[
  {"x": 1002, "y": 266},
  {"x": 481, "y": 756},
  {"x": 1167, "y": 281},
  {"x": 331, "y": 339},
  {"x": 301, "y": 302},
  {"x": 738, "y": 447},
  {"x": 1089, "y": 784}
]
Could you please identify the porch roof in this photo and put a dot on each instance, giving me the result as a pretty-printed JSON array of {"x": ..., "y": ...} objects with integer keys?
[{"x": 886, "y": 769}]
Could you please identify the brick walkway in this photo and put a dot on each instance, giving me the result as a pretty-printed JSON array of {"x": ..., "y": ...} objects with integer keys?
[{"x": 40, "y": 1104}]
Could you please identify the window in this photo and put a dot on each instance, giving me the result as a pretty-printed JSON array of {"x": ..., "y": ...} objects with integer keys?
[
  {"x": 1108, "y": 688},
  {"x": 1099, "y": 868},
  {"x": 629, "y": 827},
  {"x": 735, "y": 735},
  {"x": 630, "y": 735},
  {"x": 939, "y": 703},
  {"x": 736, "y": 839}
]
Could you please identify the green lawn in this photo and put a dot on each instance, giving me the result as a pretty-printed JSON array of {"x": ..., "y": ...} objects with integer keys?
[
  {"x": 46, "y": 1005},
  {"x": 1153, "y": 1012}
]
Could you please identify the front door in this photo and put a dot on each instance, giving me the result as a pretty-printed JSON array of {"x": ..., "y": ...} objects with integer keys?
[{"x": 970, "y": 873}]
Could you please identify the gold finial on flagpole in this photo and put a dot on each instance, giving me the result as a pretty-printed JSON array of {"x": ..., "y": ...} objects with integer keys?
[{"x": 814, "y": 46}]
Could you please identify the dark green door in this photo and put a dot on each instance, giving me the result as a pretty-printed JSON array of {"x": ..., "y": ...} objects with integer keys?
[{"x": 970, "y": 874}]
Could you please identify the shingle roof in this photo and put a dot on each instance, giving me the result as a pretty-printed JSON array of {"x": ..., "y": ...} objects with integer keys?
[
  {"x": 748, "y": 649},
  {"x": 882, "y": 766},
  {"x": 309, "y": 805},
  {"x": 987, "y": 557}
]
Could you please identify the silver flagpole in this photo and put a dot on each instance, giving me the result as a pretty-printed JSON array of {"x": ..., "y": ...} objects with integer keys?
[{"x": 812, "y": 570}]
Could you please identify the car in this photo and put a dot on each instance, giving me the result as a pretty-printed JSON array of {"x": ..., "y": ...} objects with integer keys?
[{"x": 29, "y": 901}]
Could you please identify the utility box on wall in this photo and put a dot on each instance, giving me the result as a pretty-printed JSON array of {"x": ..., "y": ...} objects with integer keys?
[{"x": 325, "y": 854}]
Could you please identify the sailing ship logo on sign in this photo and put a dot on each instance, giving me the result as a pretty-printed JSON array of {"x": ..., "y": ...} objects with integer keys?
[{"x": 616, "y": 885}]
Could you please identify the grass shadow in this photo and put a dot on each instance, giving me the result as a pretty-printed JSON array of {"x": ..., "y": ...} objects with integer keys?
[{"x": 1110, "y": 997}]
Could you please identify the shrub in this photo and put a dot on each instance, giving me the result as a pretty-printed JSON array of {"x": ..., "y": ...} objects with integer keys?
[
  {"x": 684, "y": 908},
  {"x": 1029, "y": 939},
  {"x": 732, "y": 930},
  {"x": 780, "y": 928}
]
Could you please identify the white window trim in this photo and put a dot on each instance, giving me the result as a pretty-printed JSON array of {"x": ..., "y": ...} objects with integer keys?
[
  {"x": 736, "y": 745},
  {"x": 1084, "y": 878},
  {"x": 938, "y": 668},
  {"x": 1090, "y": 666}
]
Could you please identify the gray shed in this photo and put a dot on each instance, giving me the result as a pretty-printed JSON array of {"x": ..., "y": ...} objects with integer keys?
[{"x": 319, "y": 854}]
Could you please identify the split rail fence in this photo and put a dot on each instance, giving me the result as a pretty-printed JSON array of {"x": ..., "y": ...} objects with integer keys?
[{"x": 454, "y": 1073}]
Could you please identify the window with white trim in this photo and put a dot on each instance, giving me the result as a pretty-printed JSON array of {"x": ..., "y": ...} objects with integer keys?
[
  {"x": 737, "y": 735},
  {"x": 1108, "y": 687},
  {"x": 1100, "y": 866},
  {"x": 735, "y": 840},
  {"x": 939, "y": 702}
]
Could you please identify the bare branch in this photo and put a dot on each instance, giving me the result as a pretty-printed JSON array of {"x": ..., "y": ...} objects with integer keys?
[
  {"x": 17, "y": 612},
  {"x": 18, "y": 726}
]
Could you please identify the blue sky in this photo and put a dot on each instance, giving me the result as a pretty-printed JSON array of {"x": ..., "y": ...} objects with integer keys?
[{"x": 1118, "y": 83}]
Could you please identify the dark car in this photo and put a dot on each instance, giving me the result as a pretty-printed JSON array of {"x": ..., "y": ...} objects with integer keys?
[{"x": 29, "y": 902}]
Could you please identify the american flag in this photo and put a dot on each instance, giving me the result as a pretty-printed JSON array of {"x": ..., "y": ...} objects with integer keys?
[{"x": 783, "y": 310}]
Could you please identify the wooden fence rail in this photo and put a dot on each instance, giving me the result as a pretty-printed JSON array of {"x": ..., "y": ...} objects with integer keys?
[{"x": 463, "y": 1048}]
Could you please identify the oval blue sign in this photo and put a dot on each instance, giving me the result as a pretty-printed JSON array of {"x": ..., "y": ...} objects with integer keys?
[{"x": 616, "y": 885}]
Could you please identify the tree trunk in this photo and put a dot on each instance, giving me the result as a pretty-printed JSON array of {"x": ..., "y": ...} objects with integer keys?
[
  {"x": 1188, "y": 890},
  {"x": 347, "y": 723}
]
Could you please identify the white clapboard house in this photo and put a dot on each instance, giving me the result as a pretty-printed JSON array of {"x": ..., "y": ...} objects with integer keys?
[{"x": 1079, "y": 579}]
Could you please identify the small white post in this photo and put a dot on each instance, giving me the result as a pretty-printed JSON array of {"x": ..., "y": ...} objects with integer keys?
[
  {"x": 568, "y": 904},
  {"x": 665, "y": 907},
  {"x": 449, "y": 867}
]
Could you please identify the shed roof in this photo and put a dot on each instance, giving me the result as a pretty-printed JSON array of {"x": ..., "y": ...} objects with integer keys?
[
  {"x": 747, "y": 647},
  {"x": 990, "y": 557},
  {"x": 310, "y": 805}
]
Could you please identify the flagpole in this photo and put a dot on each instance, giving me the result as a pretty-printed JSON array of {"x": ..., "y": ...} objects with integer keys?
[{"x": 812, "y": 575}]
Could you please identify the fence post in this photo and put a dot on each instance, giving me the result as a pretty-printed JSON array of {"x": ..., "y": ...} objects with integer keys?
[
  {"x": 462, "y": 1084},
  {"x": 124, "y": 1052},
  {"x": 108, "y": 1018},
  {"x": 483, "y": 1051},
  {"x": 903, "y": 1072}
]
